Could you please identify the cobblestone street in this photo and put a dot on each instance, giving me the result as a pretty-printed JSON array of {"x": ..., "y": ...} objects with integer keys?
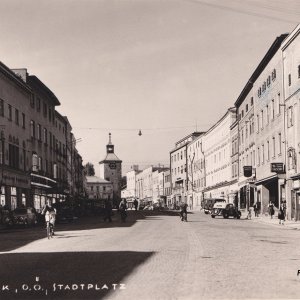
[{"x": 156, "y": 256}]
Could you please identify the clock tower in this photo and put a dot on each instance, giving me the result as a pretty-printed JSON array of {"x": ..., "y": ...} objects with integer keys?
[{"x": 111, "y": 170}]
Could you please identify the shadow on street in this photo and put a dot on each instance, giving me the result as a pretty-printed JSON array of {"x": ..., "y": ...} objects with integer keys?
[
  {"x": 66, "y": 275},
  {"x": 11, "y": 239}
]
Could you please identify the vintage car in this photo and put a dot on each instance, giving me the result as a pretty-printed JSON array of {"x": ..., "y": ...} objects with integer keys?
[
  {"x": 209, "y": 203},
  {"x": 218, "y": 209},
  {"x": 24, "y": 216},
  {"x": 231, "y": 211}
]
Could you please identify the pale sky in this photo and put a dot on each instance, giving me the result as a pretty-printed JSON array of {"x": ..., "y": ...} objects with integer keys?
[{"x": 159, "y": 66}]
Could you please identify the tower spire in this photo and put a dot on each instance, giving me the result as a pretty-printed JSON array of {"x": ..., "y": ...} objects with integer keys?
[{"x": 109, "y": 146}]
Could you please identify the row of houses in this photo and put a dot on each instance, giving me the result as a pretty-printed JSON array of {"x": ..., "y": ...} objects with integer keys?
[
  {"x": 38, "y": 155},
  {"x": 251, "y": 154}
]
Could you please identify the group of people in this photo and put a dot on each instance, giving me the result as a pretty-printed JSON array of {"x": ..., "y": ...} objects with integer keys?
[{"x": 281, "y": 211}]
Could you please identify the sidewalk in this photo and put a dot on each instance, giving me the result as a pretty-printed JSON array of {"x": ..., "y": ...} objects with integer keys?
[{"x": 275, "y": 221}]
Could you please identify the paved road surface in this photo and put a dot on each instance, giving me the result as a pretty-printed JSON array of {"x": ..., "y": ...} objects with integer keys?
[{"x": 155, "y": 256}]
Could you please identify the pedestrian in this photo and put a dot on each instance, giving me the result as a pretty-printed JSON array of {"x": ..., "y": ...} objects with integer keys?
[
  {"x": 249, "y": 216},
  {"x": 107, "y": 211},
  {"x": 255, "y": 210},
  {"x": 135, "y": 203},
  {"x": 271, "y": 209},
  {"x": 281, "y": 214},
  {"x": 183, "y": 211},
  {"x": 122, "y": 210}
]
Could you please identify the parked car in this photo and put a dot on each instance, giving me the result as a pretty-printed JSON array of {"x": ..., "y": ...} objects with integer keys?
[
  {"x": 208, "y": 204},
  {"x": 24, "y": 216},
  {"x": 65, "y": 215},
  {"x": 218, "y": 209},
  {"x": 231, "y": 211}
]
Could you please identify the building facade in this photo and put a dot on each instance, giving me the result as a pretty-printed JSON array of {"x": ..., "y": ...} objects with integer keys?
[{"x": 33, "y": 141}]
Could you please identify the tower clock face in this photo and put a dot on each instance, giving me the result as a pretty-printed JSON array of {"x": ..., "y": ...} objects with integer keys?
[{"x": 112, "y": 165}]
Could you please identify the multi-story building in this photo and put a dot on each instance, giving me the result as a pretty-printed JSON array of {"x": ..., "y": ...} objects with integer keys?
[
  {"x": 167, "y": 188},
  {"x": 260, "y": 127},
  {"x": 195, "y": 172},
  {"x": 99, "y": 189},
  {"x": 178, "y": 168},
  {"x": 15, "y": 98},
  {"x": 33, "y": 141},
  {"x": 291, "y": 111},
  {"x": 216, "y": 145},
  {"x": 269, "y": 133}
]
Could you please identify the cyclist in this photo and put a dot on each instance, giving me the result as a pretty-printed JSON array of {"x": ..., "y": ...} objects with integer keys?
[
  {"x": 183, "y": 211},
  {"x": 50, "y": 213}
]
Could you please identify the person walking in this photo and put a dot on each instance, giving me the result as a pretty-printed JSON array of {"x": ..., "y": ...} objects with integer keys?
[
  {"x": 135, "y": 203},
  {"x": 271, "y": 209},
  {"x": 281, "y": 214},
  {"x": 107, "y": 211},
  {"x": 255, "y": 207},
  {"x": 122, "y": 210}
]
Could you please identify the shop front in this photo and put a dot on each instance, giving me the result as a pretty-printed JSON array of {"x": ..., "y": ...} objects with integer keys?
[
  {"x": 42, "y": 189},
  {"x": 270, "y": 189},
  {"x": 15, "y": 189},
  {"x": 294, "y": 202}
]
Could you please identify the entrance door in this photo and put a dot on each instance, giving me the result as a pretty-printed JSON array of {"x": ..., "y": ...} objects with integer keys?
[
  {"x": 297, "y": 207},
  {"x": 293, "y": 204}
]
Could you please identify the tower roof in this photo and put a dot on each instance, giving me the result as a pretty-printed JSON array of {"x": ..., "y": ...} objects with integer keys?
[{"x": 110, "y": 154}]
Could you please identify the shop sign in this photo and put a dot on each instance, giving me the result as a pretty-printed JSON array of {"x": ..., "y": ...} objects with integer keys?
[
  {"x": 277, "y": 168},
  {"x": 15, "y": 180},
  {"x": 247, "y": 171},
  {"x": 296, "y": 184}
]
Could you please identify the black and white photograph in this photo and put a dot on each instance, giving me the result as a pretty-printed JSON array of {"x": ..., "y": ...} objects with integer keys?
[{"x": 149, "y": 149}]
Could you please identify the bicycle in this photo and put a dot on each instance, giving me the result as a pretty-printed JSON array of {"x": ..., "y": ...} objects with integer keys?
[{"x": 49, "y": 229}]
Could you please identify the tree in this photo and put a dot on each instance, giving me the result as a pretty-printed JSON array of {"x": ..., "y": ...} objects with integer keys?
[{"x": 89, "y": 169}]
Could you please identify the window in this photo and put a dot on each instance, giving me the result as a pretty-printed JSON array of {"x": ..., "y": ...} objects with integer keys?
[
  {"x": 263, "y": 153},
  {"x": 38, "y": 104},
  {"x": 257, "y": 118},
  {"x": 290, "y": 117},
  {"x": 279, "y": 143},
  {"x": 269, "y": 80},
  {"x": 23, "y": 120},
  {"x": 242, "y": 113},
  {"x": 39, "y": 132},
  {"x": 13, "y": 152},
  {"x": 17, "y": 116},
  {"x": 1, "y": 108},
  {"x": 262, "y": 119},
  {"x": 45, "y": 136},
  {"x": 267, "y": 110},
  {"x": 45, "y": 109},
  {"x": 290, "y": 79},
  {"x": 273, "y": 146},
  {"x": 258, "y": 155},
  {"x": 9, "y": 112},
  {"x": 274, "y": 74},
  {"x": 32, "y": 100},
  {"x": 251, "y": 101},
  {"x": 299, "y": 71},
  {"x": 272, "y": 109},
  {"x": 246, "y": 107},
  {"x": 32, "y": 128},
  {"x": 268, "y": 150}
]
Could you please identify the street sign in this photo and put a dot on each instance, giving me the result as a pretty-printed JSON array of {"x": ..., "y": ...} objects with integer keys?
[
  {"x": 277, "y": 168},
  {"x": 247, "y": 171}
]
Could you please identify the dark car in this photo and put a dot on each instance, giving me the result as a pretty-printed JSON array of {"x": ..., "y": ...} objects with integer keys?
[
  {"x": 65, "y": 215},
  {"x": 231, "y": 211},
  {"x": 24, "y": 216}
]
